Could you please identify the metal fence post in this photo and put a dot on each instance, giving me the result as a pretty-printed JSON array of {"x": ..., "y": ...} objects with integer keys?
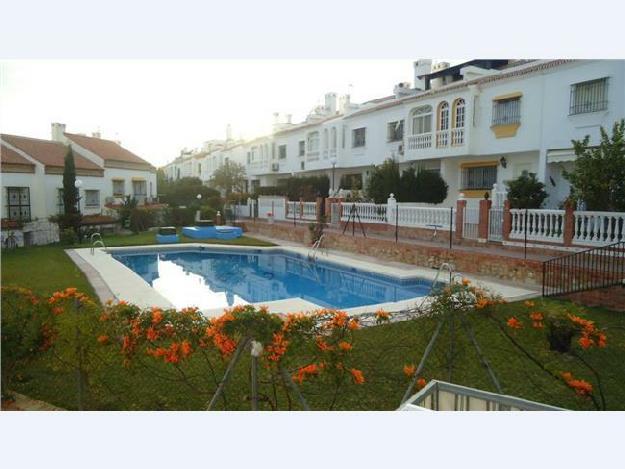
[
  {"x": 451, "y": 224},
  {"x": 396, "y": 222},
  {"x": 525, "y": 230}
]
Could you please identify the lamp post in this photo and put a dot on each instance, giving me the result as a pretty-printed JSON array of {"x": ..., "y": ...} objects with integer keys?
[
  {"x": 78, "y": 185},
  {"x": 333, "y": 162}
]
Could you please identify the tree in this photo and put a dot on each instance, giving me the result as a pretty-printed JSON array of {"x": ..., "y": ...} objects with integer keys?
[
  {"x": 229, "y": 177},
  {"x": 598, "y": 177},
  {"x": 71, "y": 218},
  {"x": 407, "y": 191},
  {"x": 526, "y": 191},
  {"x": 383, "y": 181},
  {"x": 431, "y": 188},
  {"x": 184, "y": 192}
]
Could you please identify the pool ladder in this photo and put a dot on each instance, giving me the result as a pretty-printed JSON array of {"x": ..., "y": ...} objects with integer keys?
[
  {"x": 312, "y": 254},
  {"x": 96, "y": 242}
]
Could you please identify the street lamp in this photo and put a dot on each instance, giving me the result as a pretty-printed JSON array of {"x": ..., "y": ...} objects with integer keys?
[{"x": 333, "y": 162}]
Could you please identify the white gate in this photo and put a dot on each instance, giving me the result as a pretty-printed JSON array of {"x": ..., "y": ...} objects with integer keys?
[
  {"x": 471, "y": 223},
  {"x": 495, "y": 214}
]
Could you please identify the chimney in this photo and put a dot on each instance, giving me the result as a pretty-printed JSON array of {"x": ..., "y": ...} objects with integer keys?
[
  {"x": 95, "y": 134},
  {"x": 440, "y": 81},
  {"x": 330, "y": 103},
  {"x": 344, "y": 104},
  {"x": 422, "y": 67},
  {"x": 228, "y": 132},
  {"x": 57, "y": 132}
]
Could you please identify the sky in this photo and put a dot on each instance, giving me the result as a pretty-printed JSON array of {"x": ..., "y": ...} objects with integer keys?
[{"x": 158, "y": 107}]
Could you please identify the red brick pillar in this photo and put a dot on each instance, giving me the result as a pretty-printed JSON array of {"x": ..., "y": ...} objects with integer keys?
[
  {"x": 569, "y": 224},
  {"x": 319, "y": 209},
  {"x": 328, "y": 206},
  {"x": 301, "y": 208},
  {"x": 482, "y": 229},
  {"x": 507, "y": 221},
  {"x": 461, "y": 204}
]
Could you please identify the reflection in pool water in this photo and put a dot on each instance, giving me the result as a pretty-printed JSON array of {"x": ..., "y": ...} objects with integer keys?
[{"x": 218, "y": 279}]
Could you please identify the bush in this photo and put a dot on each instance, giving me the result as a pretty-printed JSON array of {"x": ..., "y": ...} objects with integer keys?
[
  {"x": 352, "y": 182},
  {"x": 26, "y": 331},
  {"x": 141, "y": 219},
  {"x": 184, "y": 192},
  {"x": 431, "y": 187},
  {"x": 296, "y": 188},
  {"x": 383, "y": 181},
  {"x": 526, "y": 191},
  {"x": 208, "y": 213},
  {"x": 179, "y": 216},
  {"x": 269, "y": 190},
  {"x": 68, "y": 237}
]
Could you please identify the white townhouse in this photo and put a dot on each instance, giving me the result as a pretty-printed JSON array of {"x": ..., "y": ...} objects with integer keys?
[
  {"x": 477, "y": 123},
  {"x": 32, "y": 175}
]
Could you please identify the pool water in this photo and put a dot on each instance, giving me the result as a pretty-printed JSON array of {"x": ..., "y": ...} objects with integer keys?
[{"x": 218, "y": 279}]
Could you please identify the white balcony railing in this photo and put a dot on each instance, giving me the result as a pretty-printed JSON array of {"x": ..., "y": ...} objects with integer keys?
[
  {"x": 312, "y": 155},
  {"x": 423, "y": 217},
  {"x": 596, "y": 228},
  {"x": 418, "y": 142},
  {"x": 368, "y": 213},
  {"x": 457, "y": 136},
  {"x": 542, "y": 225},
  {"x": 442, "y": 138}
]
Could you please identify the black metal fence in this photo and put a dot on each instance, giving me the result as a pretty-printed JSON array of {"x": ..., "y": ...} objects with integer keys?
[{"x": 599, "y": 267}]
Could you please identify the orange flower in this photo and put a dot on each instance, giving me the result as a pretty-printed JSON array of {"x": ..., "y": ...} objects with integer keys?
[
  {"x": 529, "y": 304},
  {"x": 482, "y": 303},
  {"x": 323, "y": 345},
  {"x": 466, "y": 282},
  {"x": 185, "y": 348},
  {"x": 345, "y": 346},
  {"x": 409, "y": 370},
  {"x": 537, "y": 320},
  {"x": 601, "y": 340},
  {"x": 585, "y": 342},
  {"x": 302, "y": 373},
  {"x": 421, "y": 382},
  {"x": 357, "y": 375},
  {"x": 126, "y": 344},
  {"x": 135, "y": 327},
  {"x": 277, "y": 348},
  {"x": 581, "y": 387},
  {"x": 151, "y": 334},
  {"x": 353, "y": 324},
  {"x": 103, "y": 339},
  {"x": 381, "y": 316},
  {"x": 514, "y": 323},
  {"x": 122, "y": 302},
  {"x": 157, "y": 316},
  {"x": 57, "y": 310}
]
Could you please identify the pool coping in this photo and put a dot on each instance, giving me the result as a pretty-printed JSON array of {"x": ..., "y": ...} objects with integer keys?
[{"x": 125, "y": 284}]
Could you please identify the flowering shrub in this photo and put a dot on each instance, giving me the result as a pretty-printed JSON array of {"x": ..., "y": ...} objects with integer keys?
[
  {"x": 462, "y": 297},
  {"x": 26, "y": 331}
]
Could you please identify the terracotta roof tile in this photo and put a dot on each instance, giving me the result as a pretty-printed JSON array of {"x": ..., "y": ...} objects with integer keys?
[
  {"x": 10, "y": 156},
  {"x": 48, "y": 152},
  {"x": 106, "y": 149}
]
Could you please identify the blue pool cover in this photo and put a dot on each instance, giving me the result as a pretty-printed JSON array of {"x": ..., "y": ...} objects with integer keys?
[{"x": 215, "y": 279}]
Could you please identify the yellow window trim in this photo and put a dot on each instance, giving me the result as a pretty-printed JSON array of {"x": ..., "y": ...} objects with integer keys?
[
  {"x": 516, "y": 94},
  {"x": 138, "y": 179},
  {"x": 475, "y": 193},
  {"x": 475, "y": 164},
  {"x": 118, "y": 179}
]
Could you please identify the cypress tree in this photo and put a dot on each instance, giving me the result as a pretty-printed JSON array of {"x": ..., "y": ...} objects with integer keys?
[{"x": 72, "y": 217}]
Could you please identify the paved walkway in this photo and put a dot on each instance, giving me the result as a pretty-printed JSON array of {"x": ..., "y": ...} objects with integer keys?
[{"x": 22, "y": 402}]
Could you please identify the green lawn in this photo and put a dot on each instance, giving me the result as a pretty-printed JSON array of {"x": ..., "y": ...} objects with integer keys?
[{"x": 381, "y": 352}]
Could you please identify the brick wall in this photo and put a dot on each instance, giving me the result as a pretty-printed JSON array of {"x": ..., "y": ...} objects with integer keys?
[
  {"x": 611, "y": 298},
  {"x": 523, "y": 271}
]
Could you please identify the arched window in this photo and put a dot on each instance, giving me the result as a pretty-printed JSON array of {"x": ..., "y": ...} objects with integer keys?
[
  {"x": 333, "y": 138},
  {"x": 325, "y": 139},
  {"x": 443, "y": 116},
  {"x": 422, "y": 120},
  {"x": 459, "y": 113}
]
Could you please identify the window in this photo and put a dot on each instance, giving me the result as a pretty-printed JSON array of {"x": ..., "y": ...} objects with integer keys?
[
  {"x": 302, "y": 148},
  {"x": 333, "y": 138},
  {"x": 139, "y": 188},
  {"x": 118, "y": 186},
  {"x": 249, "y": 158},
  {"x": 443, "y": 116},
  {"x": 60, "y": 204},
  {"x": 479, "y": 177},
  {"x": 282, "y": 152},
  {"x": 422, "y": 120},
  {"x": 18, "y": 203},
  {"x": 589, "y": 96},
  {"x": 459, "y": 113},
  {"x": 395, "y": 131},
  {"x": 313, "y": 142},
  {"x": 325, "y": 139},
  {"x": 92, "y": 198},
  {"x": 358, "y": 137},
  {"x": 507, "y": 111},
  {"x": 199, "y": 168}
]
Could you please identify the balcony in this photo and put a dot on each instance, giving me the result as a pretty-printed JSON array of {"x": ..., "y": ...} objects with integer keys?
[
  {"x": 418, "y": 142},
  {"x": 457, "y": 136},
  {"x": 312, "y": 155},
  {"x": 442, "y": 138}
]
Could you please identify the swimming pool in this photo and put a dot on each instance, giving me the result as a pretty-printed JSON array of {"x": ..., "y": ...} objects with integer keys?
[{"x": 214, "y": 278}]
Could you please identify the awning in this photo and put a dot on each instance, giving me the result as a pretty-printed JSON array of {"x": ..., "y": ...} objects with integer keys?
[
  {"x": 560, "y": 156},
  {"x": 138, "y": 179}
]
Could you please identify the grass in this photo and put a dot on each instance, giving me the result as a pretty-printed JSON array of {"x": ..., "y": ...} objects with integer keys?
[
  {"x": 46, "y": 269},
  {"x": 381, "y": 352}
]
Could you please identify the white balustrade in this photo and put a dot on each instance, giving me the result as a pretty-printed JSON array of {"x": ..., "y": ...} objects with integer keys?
[
  {"x": 542, "y": 225},
  {"x": 367, "y": 213},
  {"x": 442, "y": 138},
  {"x": 596, "y": 228},
  {"x": 423, "y": 217},
  {"x": 418, "y": 142},
  {"x": 457, "y": 136}
]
